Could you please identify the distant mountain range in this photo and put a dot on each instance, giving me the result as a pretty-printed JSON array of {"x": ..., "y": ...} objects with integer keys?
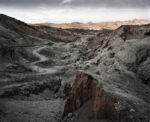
[{"x": 97, "y": 26}]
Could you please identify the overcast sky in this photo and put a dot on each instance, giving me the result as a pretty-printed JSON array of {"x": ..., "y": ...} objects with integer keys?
[{"x": 58, "y": 11}]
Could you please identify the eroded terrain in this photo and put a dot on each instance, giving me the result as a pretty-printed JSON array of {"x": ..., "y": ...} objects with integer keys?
[{"x": 53, "y": 75}]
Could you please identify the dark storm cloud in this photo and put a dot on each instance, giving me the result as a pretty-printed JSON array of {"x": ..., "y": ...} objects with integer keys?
[
  {"x": 112, "y": 3},
  {"x": 82, "y": 3},
  {"x": 29, "y": 2}
]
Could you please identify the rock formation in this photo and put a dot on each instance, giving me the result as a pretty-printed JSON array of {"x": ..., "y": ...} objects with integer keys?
[
  {"x": 51, "y": 75},
  {"x": 86, "y": 89},
  {"x": 114, "y": 84}
]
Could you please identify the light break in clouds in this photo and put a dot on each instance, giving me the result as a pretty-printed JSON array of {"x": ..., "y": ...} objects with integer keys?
[{"x": 59, "y": 11}]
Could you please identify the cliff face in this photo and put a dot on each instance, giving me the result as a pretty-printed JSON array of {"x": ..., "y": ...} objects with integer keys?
[
  {"x": 35, "y": 61},
  {"x": 100, "y": 105},
  {"x": 114, "y": 79}
]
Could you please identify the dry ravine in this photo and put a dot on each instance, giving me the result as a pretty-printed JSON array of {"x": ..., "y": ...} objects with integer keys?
[{"x": 70, "y": 75}]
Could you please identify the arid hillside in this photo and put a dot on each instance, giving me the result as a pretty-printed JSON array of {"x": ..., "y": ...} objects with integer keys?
[{"x": 73, "y": 75}]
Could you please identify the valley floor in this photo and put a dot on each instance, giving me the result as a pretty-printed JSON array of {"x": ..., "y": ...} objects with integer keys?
[
  {"x": 71, "y": 75},
  {"x": 56, "y": 61}
]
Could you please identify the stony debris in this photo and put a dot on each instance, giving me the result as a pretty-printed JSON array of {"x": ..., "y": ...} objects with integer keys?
[{"x": 30, "y": 88}]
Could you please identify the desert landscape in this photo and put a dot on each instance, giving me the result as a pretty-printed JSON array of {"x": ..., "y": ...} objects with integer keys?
[
  {"x": 74, "y": 60},
  {"x": 51, "y": 74}
]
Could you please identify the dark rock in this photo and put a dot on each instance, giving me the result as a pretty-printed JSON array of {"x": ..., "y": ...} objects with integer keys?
[
  {"x": 85, "y": 89},
  {"x": 67, "y": 89}
]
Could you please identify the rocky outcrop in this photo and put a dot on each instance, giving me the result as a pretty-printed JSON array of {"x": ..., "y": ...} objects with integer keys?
[
  {"x": 101, "y": 105},
  {"x": 115, "y": 81}
]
